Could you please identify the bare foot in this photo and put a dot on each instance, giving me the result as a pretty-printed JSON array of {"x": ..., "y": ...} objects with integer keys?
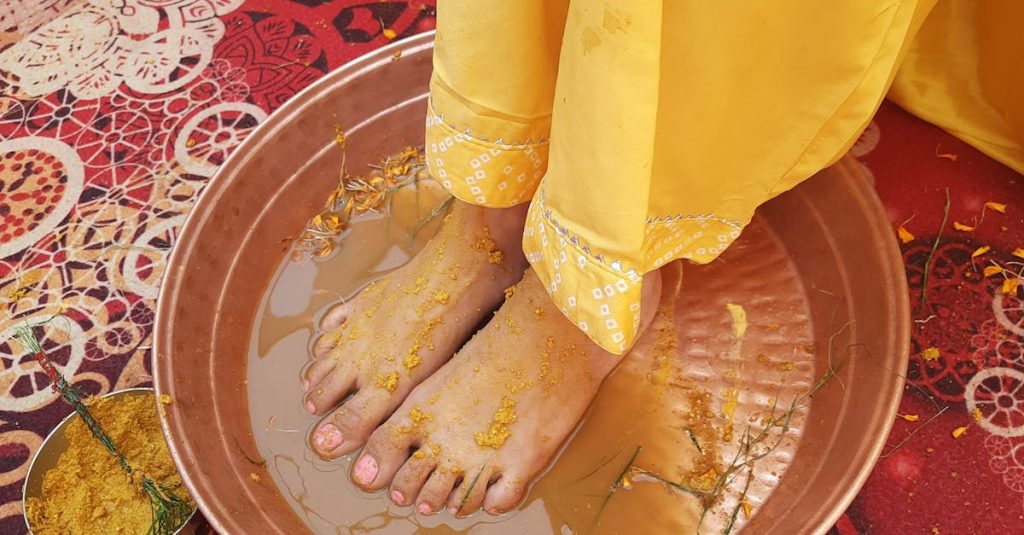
[
  {"x": 401, "y": 328},
  {"x": 481, "y": 428}
]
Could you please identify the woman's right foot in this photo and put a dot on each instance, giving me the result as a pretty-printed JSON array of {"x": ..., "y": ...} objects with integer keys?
[{"x": 402, "y": 328}]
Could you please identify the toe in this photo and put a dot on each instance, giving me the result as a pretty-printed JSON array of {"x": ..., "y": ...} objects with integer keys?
[
  {"x": 470, "y": 494},
  {"x": 317, "y": 370},
  {"x": 326, "y": 342},
  {"x": 336, "y": 317},
  {"x": 436, "y": 491},
  {"x": 410, "y": 479},
  {"x": 504, "y": 494},
  {"x": 332, "y": 387},
  {"x": 384, "y": 454},
  {"x": 354, "y": 420}
]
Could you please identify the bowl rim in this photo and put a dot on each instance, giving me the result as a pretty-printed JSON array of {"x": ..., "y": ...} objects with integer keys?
[{"x": 64, "y": 423}]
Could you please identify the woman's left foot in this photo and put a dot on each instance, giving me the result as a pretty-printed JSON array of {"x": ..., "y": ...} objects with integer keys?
[{"x": 478, "y": 430}]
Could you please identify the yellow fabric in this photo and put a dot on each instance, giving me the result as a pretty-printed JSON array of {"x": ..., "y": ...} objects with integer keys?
[
  {"x": 658, "y": 126},
  {"x": 965, "y": 73}
]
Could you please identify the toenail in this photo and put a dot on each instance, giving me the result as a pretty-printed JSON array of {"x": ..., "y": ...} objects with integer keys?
[
  {"x": 397, "y": 497},
  {"x": 310, "y": 408},
  {"x": 365, "y": 470},
  {"x": 328, "y": 437},
  {"x": 425, "y": 509},
  {"x": 453, "y": 510},
  {"x": 305, "y": 385}
]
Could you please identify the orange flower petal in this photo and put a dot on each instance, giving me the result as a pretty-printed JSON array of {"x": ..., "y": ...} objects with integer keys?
[
  {"x": 904, "y": 235},
  {"x": 1019, "y": 253},
  {"x": 1010, "y": 286},
  {"x": 962, "y": 227},
  {"x": 992, "y": 270},
  {"x": 980, "y": 251},
  {"x": 997, "y": 206},
  {"x": 959, "y": 431}
]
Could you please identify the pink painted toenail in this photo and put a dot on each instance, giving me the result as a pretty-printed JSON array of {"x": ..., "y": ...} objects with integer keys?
[
  {"x": 397, "y": 497},
  {"x": 310, "y": 408},
  {"x": 453, "y": 510},
  {"x": 424, "y": 509},
  {"x": 328, "y": 437},
  {"x": 365, "y": 470}
]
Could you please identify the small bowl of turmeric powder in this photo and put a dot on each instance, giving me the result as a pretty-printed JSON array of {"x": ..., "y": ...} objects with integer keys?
[{"x": 76, "y": 485}]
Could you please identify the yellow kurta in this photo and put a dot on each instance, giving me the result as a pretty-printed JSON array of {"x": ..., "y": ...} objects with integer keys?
[{"x": 644, "y": 131}]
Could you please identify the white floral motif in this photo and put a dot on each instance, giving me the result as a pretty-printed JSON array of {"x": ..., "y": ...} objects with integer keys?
[{"x": 94, "y": 47}]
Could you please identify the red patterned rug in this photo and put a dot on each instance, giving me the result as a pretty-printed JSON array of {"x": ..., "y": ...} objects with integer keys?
[{"x": 113, "y": 115}]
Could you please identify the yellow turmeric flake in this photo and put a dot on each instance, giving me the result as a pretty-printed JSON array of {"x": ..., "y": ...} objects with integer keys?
[
  {"x": 441, "y": 297},
  {"x": 739, "y": 319},
  {"x": 509, "y": 292},
  {"x": 354, "y": 334},
  {"x": 486, "y": 245},
  {"x": 164, "y": 400},
  {"x": 87, "y": 492},
  {"x": 498, "y": 432},
  {"x": 976, "y": 414},
  {"x": 420, "y": 454},
  {"x": 959, "y": 431},
  {"x": 930, "y": 353},
  {"x": 418, "y": 416},
  {"x": 387, "y": 381},
  {"x": 413, "y": 358}
]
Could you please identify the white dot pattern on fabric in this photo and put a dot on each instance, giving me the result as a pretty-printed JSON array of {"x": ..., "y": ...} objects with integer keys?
[
  {"x": 483, "y": 165},
  {"x": 602, "y": 295}
]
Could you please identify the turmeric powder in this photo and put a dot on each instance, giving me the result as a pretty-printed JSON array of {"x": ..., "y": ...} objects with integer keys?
[{"x": 87, "y": 492}]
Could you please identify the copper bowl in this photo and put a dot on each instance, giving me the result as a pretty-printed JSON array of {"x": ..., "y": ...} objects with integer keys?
[{"x": 833, "y": 226}]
